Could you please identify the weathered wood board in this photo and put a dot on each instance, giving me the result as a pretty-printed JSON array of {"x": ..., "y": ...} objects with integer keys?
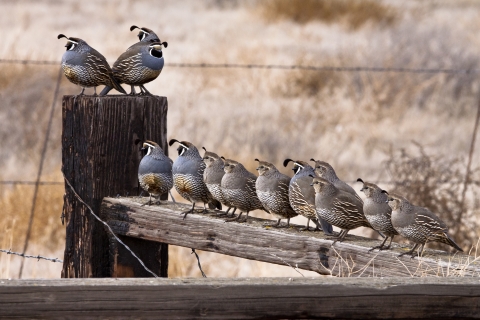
[
  {"x": 285, "y": 246},
  {"x": 260, "y": 298},
  {"x": 100, "y": 157}
]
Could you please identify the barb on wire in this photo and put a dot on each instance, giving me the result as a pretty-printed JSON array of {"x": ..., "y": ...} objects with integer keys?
[
  {"x": 107, "y": 226},
  {"x": 40, "y": 167},
  {"x": 285, "y": 67},
  {"x": 198, "y": 261},
  {"x": 39, "y": 257}
]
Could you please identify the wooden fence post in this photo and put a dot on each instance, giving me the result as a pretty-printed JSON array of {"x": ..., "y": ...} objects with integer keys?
[{"x": 100, "y": 157}]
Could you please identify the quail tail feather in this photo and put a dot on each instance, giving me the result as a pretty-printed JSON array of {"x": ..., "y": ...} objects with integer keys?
[
  {"x": 105, "y": 90},
  {"x": 114, "y": 84},
  {"x": 448, "y": 240}
]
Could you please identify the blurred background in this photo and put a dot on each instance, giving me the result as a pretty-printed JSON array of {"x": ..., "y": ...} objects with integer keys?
[{"x": 407, "y": 130}]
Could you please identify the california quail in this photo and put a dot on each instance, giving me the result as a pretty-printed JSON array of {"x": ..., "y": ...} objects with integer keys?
[
  {"x": 145, "y": 34},
  {"x": 238, "y": 187},
  {"x": 302, "y": 195},
  {"x": 272, "y": 190},
  {"x": 378, "y": 212},
  {"x": 326, "y": 171},
  {"x": 86, "y": 67},
  {"x": 417, "y": 224},
  {"x": 140, "y": 64},
  {"x": 212, "y": 176},
  {"x": 338, "y": 207},
  {"x": 155, "y": 171},
  {"x": 187, "y": 172}
]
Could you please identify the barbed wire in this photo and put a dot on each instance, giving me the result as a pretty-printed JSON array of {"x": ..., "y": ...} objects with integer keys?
[
  {"x": 283, "y": 67},
  {"x": 107, "y": 226},
  {"x": 38, "y": 257},
  {"x": 40, "y": 167},
  {"x": 32, "y": 182},
  {"x": 198, "y": 262}
]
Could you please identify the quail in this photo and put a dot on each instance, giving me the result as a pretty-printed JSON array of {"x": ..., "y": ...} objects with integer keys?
[
  {"x": 340, "y": 208},
  {"x": 86, "y": 67},
  {"x": 326, "y": 171},
  {"x": 238, "y": 187},
  {"x": 378, "y": 212},
  {"x": 187, "y": 172},
  {"x": 212, "y": 176},
  {"x": 272, "y": 190},
  {"x": 302, "y": 195},
  {"x": 417, "y": 224},
  {"x": 155, "y": 171},
  {"x": 145, "y": 34},
  {"x": 141, "y": 63}
]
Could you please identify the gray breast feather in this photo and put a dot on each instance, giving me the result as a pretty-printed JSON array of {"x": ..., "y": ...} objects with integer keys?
[{"x": 151, "y": 165}]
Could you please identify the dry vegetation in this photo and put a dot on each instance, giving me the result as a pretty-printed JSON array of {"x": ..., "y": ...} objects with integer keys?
[{"x": 357, "y": 121}]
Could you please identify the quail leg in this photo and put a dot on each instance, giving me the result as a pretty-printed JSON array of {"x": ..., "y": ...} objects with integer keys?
[
  {"x": 411, "y": 252},
  {"x": 145, "y": 90},
  {"x": 307, "y": 228},
  {"x": 189, "y": 211},
  {"x": 221, "y": 214},
  {"x": 94, "y": 91},
  {"x": 82, "y": 93},
  {"x": 234, "y": 219},
  {"x": 341, "y": 236},
  {"x": 132, "y": 93},
  {"x": 171, "y": 195},
  {"x": 381, "y": 246}
]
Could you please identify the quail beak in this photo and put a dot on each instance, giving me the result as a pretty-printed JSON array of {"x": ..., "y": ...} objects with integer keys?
[{"x": 144, "y": 148}]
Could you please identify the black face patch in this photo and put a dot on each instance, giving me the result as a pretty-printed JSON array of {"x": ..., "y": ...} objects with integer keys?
[
  {"x": 70, "y": 46},
  {"x": 156, "y": 53}
]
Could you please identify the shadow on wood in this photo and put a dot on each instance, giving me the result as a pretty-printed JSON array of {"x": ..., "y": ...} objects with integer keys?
[
  {"x": 253, "y": 240},
  {"x": 100, "y": 158}
]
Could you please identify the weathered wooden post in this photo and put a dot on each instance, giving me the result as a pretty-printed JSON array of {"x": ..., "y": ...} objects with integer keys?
[{"x": 100, "y": 157}]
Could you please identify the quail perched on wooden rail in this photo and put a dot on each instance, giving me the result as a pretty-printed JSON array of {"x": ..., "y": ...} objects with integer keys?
[
  {"x": 417, "y": 224},
  {"x": 141, "y": 63},
  {"x": 326, "y": 171},
  {"x": 155, "y": 171},
  {"x": 340, "y": 208},
  {"x": 238, "y": 187},
  {"x": 187, "y": 172},
  {"x": 212, "y": 176},
  {"x": 302, "y": 195},
  {"x": 86, "y": 67},
  {"x": 272, "y": 190},
  {"x": 145, "y": 34},
  {"x": 378, "y": 212}
]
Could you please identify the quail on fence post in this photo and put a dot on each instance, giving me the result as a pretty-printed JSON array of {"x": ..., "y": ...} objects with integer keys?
[
  {"x": 187, "y": 172},
  {"x": 272, "y": 190},
  {"x": 238, "y": 187},
  {"x": 302, "y": 195},
  {"x": 212, "y": 176},
  {"x": 155, "y": 171},
  {"x": 86, "y": 67},
  {"x": 417, "y": 224},
  {"x": 326, "y": 171},
  {"x": 340, "y": 208},
  {"x": 141, "y": 63},
  {"x": 378, "y": 212}
]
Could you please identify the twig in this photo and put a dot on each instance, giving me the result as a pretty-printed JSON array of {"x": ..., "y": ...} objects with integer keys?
[
  {"x": 288, "y": 264},
  {"x": 107, "y": 226},
  {"x": 9, "y": 251},
  {"x": 198, "y": 261}
]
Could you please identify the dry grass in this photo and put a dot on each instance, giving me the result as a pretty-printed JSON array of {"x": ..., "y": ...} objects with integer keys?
[{"x": 354, "y": 12}]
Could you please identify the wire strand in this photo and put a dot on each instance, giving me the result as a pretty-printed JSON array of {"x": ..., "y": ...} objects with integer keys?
[{"x": 38, "y": 257}]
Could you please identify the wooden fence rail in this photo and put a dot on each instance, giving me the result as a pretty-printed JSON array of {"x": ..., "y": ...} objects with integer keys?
[
  {"x": 261, "y": 298},
  {"x": 253, "y": 240}
]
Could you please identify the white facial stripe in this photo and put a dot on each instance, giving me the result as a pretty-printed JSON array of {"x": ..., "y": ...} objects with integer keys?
[
  {"x": 299, "y": 165},
  {"x": 184, "y": 146},
  {"x": 182, "y": 152},
  {"x": 72, "y": 41},
  {"x": 149, "y": 149},
  {"x": 150, "y": 145}
]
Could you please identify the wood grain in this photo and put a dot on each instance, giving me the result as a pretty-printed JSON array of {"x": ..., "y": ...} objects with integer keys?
[
  {"x": 100, "y": 158},
  {"x": 306, "y": 250},
  {"x": 260, "y": 298}
]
